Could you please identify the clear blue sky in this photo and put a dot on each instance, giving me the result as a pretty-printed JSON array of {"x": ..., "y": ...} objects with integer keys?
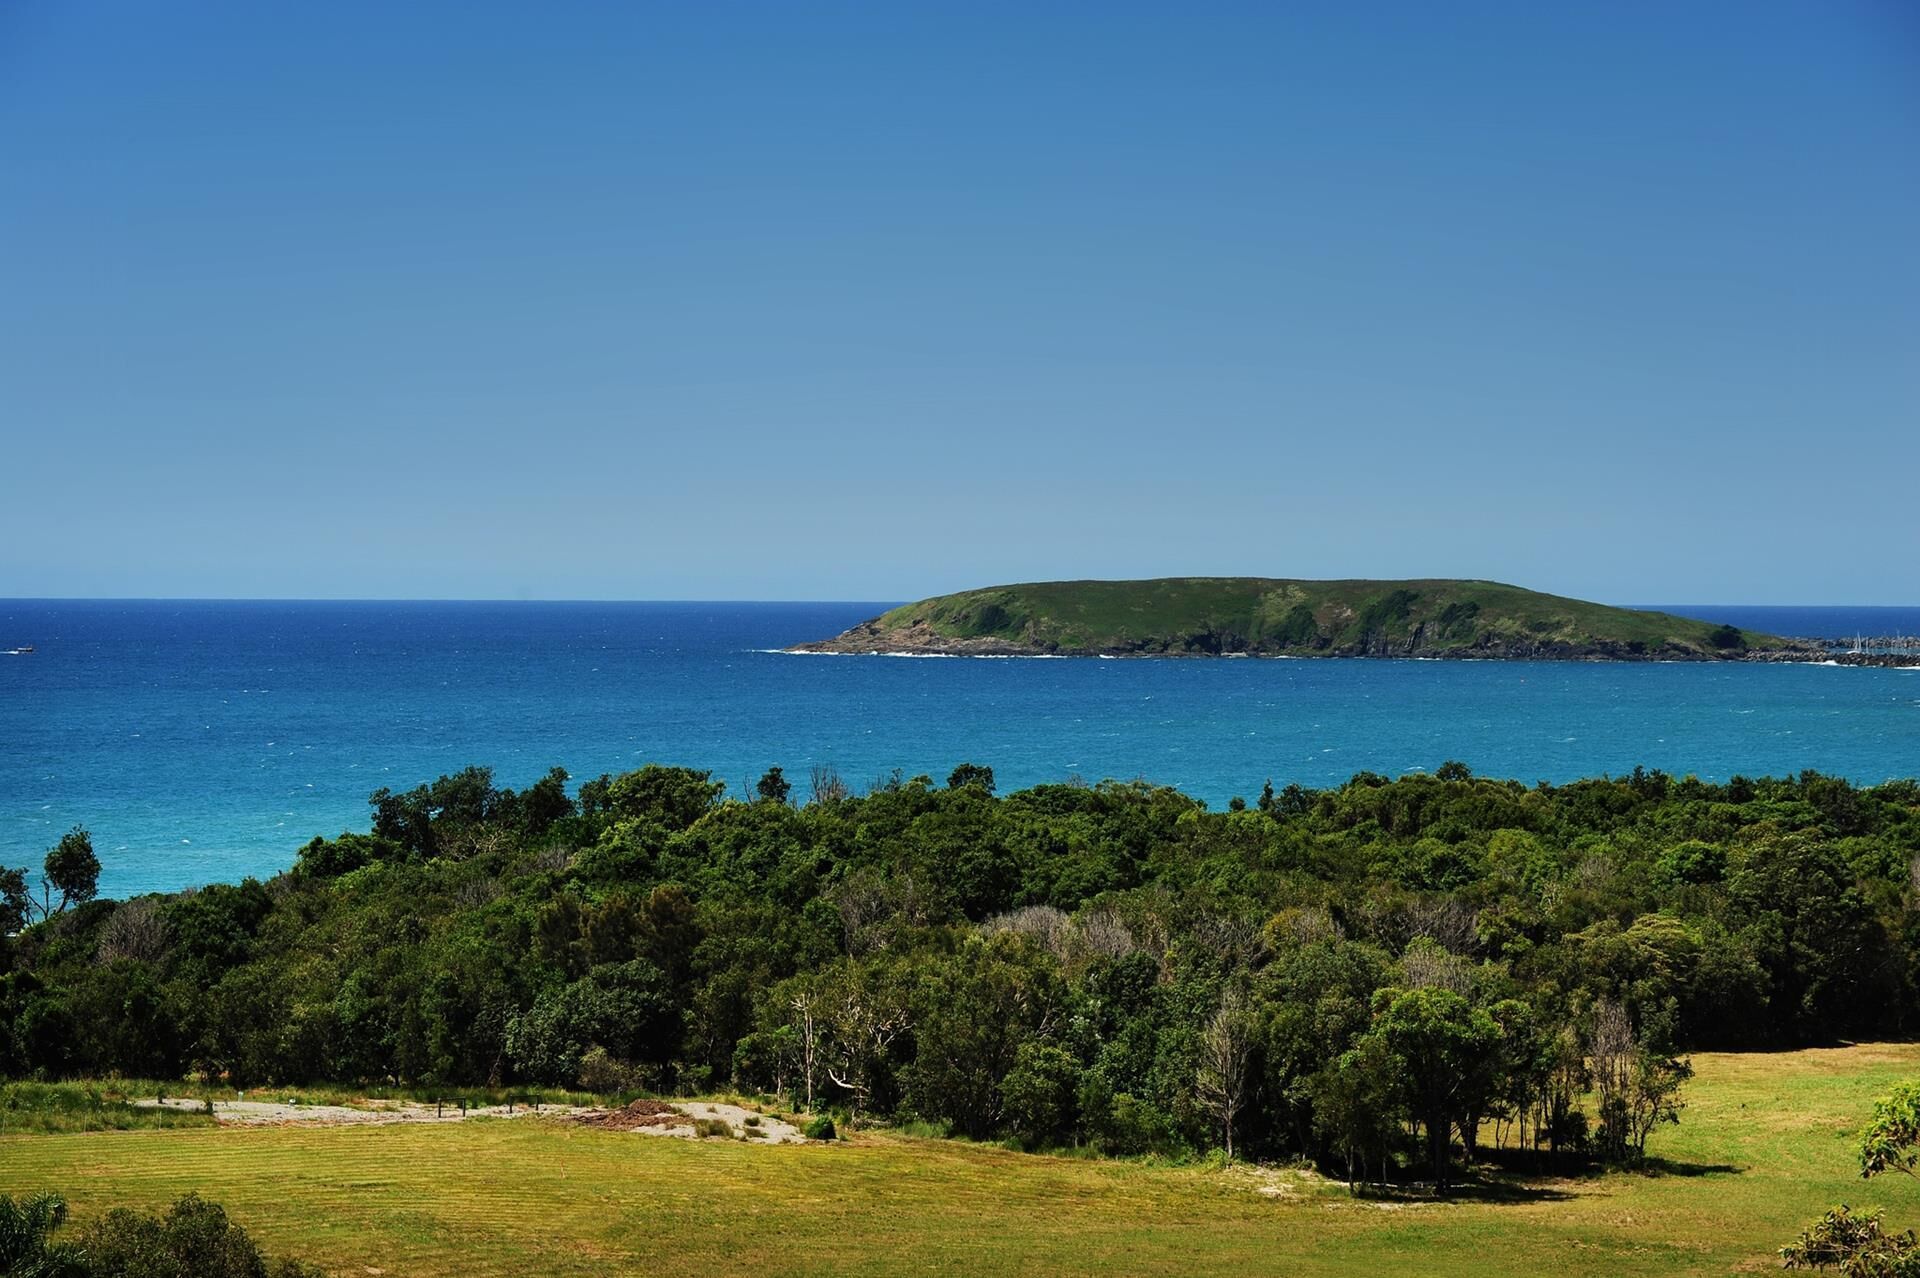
[{"x": 874, "y": 300}]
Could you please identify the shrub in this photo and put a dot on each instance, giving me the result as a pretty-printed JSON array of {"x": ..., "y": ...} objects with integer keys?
[
  {"x": 622, "y": 1006},
  {"x": 601, "y": 1071},
  {"x": 1037, "y": 1095},
  {"x": 1132, "y": 1126},
  {"x": 819, "y": 1127},
  {"x": 716, "y": 1127},
  {"x": 26, "y": 1230},
  {"x": 193, "y": 1240},
  {"x": 1855, "y": 1244}
]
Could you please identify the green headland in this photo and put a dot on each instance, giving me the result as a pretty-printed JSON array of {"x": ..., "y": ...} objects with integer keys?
[{"x": 1274, "y": 617}]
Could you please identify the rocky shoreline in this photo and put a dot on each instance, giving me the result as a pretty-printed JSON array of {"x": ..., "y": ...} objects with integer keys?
[{"x": 921, "y": 640}]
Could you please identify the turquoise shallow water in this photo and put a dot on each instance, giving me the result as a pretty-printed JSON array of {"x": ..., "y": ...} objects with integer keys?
[{"x": 203, "y": 741}]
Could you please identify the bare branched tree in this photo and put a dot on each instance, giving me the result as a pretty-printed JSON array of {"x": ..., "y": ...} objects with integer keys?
[
  {"x": 136, "y": 930},
  {"x": 1610, "y": 1051},
  {"x": 1446, "y": 921},
  {"x": 1303, "y": 925},
  {"x": 873, "y": 907},
  {"x": 1225, "y": 1051},
  {"x": 556, "y": 857},
  {"x": 826, "y": 783},
  {"x": 1594, "y": 873},
  {"x": 1427, "y": 965},
  {"x": 868, "y": 1010},
  {"x": 1638, "y": 1087},
  {"x": 1043, "y": 924},
  {"x": 1099, "y": 934},
  {"x": 1234, "y": 937},
  {"x": 804, "y": 1015},
  {"x": 476, "y": 892}
]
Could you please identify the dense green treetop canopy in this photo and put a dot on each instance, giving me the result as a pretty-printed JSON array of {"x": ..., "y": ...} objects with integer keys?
[{"x": 1319, "y": 972}]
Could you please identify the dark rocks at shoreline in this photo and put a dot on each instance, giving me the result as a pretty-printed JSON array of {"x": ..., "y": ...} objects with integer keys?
[{"x": 920, "y": 640}]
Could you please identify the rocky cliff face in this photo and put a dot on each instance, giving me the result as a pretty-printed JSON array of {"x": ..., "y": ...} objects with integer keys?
[
  {"x": 921, "y": 639},
  {"x": 918, "y": 640}
]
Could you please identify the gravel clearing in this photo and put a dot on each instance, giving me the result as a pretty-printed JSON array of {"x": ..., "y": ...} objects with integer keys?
[
  {"x": 373, "y": 1111},
  {"x": 646, "y": 1117}
]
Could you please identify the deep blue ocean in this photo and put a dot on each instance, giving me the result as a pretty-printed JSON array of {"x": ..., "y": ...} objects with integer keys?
[{"x": 203, "y": 741}]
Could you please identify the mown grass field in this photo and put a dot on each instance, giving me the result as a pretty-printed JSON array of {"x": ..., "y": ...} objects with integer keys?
[{"x": 1765, "y": 1144}]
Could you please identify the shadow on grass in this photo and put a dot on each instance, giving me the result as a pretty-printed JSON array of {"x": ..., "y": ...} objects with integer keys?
[
  {"x": 1490, "y": 1190},
  {"x": 1518, "y": 1178},
  {"x": 1507, "y": 1191},
  {"x": 1668, "y": 1167},
  {"x": 1528, "y": 1165}
]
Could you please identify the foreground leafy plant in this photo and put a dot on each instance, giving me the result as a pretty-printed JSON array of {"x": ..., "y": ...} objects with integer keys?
[
  {"x": 1860, "y": 1246},
  {"x": 193, "y": 1240}
]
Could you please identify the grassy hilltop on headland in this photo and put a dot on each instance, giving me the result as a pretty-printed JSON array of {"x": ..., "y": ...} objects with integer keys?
[{"x": 1267, "y": 616}]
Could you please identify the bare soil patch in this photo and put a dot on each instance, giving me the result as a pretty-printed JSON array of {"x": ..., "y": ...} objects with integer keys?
[
  {"x": 685, "y": 1118},
  {"x": 633, "y": 1116}
]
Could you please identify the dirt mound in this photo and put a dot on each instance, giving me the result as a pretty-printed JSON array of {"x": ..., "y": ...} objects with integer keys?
[{"x": 635, "y": 1115}]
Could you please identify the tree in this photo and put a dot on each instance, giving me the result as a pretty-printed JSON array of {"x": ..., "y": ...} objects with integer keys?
[
  {"x": 72, "y": 870},
  {"x": 1524, "y": 1061},
  {"x": 971, "y": 776},
  {"x": 1808, "y": 925},
  {"x": 1040, "y": 1093},
  {"x": 621, "y": 1007},
  {"x": 1448, "y": 1047},
  {"x": 1727, "y": 637},
  {"x": 1638, "y": 1088},
  {"x": 773, "y": 787},
  {"x": 16, "y": 903},
  {"x": 866, "y": 1009},
  {"x": 1358, "y": 1105},
  {"x": 545, "y": 802},
  {"x": 1225, "y": 1050},
  {"x": 674, "y": 797},
  {"x": 972, "y": 1011},
  {"x": 1564, "y": 1079}
]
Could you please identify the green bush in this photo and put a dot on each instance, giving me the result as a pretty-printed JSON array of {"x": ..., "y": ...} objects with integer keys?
[
  {"x": 193, "y": 1240},
  {"x": 26, "y": 1237},
  {"x": 705, "y": 1127},
  {"x": 819, "y": 1127},
  {"x": 1132, "y": 1126},
  {"x": 606, "y": 1074},
  {"x": 1037, "y": 1095}
]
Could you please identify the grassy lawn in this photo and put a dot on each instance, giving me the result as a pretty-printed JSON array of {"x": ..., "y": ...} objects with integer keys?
[{"x": 1764, "y": 1146}]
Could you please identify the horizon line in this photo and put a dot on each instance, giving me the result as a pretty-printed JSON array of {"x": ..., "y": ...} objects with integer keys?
[{"x": 608, "y": 599}]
